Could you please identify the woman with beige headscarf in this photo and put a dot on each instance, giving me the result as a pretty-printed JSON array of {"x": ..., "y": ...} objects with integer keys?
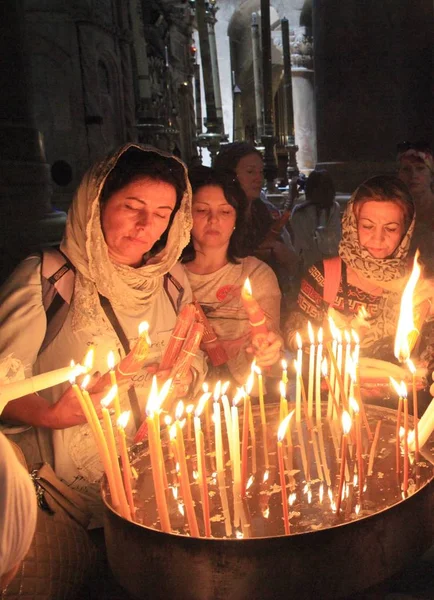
[
  {"x": 370, "y": 272},
  {"x": 126, "y": 229}
]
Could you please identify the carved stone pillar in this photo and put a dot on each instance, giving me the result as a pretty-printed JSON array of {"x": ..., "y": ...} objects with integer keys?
[
  {"x": 303, "y": 99},
  {"x": 25, "y": 184},
  {"x": 257, "y": 77},
  {"x": 373, "y": 81}
]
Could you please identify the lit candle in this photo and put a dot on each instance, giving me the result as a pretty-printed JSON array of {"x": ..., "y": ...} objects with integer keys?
[
  {"x": 236, "y": 453},
  {"x": 318, "y": 377},
  {"x": 201, "y": 464},
  {"x": 283, "y": 411},
  {"x": 347, "y": 363},
  {"x": 333, "y": 349},
  {"x": 183, "y": 473},
  {"x": 332, "y": 397},
  {"x": 311, "y": 369},
  {"x": 258, "y": 371},
  {"x": 245, "y": 438},
  {"x": 31, "y": 385},
  {"x": 256, "y": 316},
  {"x": 111, "y": 445},
  {"x": 228, "y": 418},
  {"x": 397, "y": 389},
  {"x": 346, "y": 426},
  {"x": 339, "y": 384},
  {"x": 415, "y": 405},
  {"x": 218, "y": 436},
  {"x": 189, "y": 410},
  {"x": 280, "y": 436},
  {"x": 134, "y": 360},
  {"x": 299, "y": 361},
  {"x": 121, "y": 423},
  {"x": 358, "y": 427},
  {"x": 155, "y": 455},
  {"x": 113, "y": 382},
  {"x": 303, "y": 394}
]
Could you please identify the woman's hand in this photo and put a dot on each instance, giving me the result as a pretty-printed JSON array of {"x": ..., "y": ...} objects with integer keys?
[
  {"x": 268, "y": 355},
  {"x": 67, "y": 411}
]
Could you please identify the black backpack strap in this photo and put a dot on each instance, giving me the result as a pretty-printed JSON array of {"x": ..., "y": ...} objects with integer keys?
[
  {"x": 174, "y": 291},
  {"x": 57, "y": 281},
  {"x": 110, "y": 314}
]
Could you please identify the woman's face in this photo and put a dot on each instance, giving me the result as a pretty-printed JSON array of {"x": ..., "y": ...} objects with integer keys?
[
  {"x": 135, "y": 217},
  {"x": 381, "y": 226},
  {"x": 213, "y": 218},
  {"x": 250, "y": 174},
  {"x": 416, "y": 175}
]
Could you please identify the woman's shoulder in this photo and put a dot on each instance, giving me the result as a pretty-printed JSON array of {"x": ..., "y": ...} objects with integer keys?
[
  {"x": 257, "y": 270},
  {"x": 26, "y": 273}
]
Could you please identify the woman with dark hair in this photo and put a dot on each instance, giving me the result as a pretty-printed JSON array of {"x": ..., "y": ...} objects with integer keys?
[
  {"x": 245, "y": 161},
  {"x": 126, "y": 229},
  {"x": 370, "y": 272},
  {"x": 217, "y": 274},
  {"x": 316, "y": 222}
]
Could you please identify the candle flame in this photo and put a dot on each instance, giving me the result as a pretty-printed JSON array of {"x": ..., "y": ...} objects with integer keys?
[
  {"x": 225, "y": 387},
  {"x": 172, "y": 435},
  {"x": 346, "y": 422},
  {"x": 247, "y": 287},
  {"x": 266, "y": 512},
  {"x": 179, "y": 410},
  {"x": 283, "y": 426},
  {"x": 297, "y": 367},
  {"x": 299, "y": 341},
  {"x": 240, "y": 393},
  {"x": 339, "y": 336},
  {"x": 249, "y": 384},
  {"x": 88, "y": 359},
  {"x": 282, "y": 387},
  {"x": 85, "y": 382},
  {"x": 181, "y": 508},
  {"x": 400, "y": 388},
  {"x": 355, "y": 336},
  {"x": 217, "y": 390},
  {"x": 123, "y": 419},
  {"x": 175, "y": 492},
  {"x": 321, "y": 493},
  {"x": 111, "y": 360},
  {"x": 152, "y": 404},
  {"x": 292, "y": 498},
  {"x": 189, "y": 408},
  {"x": 76, "y": 370},
  {"x": 144, "y": 331},
  {"x": 239, "y": 534},
  {"x": 324, "y": 369},
  {"x": 354, "y": 405},
  {"x": 310, "y": 333},
  {"x": 347, "y": 337},
  {"x": 164, "y": 393},
  {"x": 266, "y": 475},
  {"x": 205, "y": 386},
  {"x": 108, "y": 399},
  {"x": 406, "y": 325},
  {"x": 258, "y": 371},
  {"x": 201, "y": 404},
  {"x": 284, "y": 364},
  {"x": 320, "y": 335},
  {"x": 250, "y": 482},
  {"x": 195, "y": 474},
  {"x": 411, "y": 366},
  {"x": 167, "y": 420},
  {"x": 333, "y": 328}
]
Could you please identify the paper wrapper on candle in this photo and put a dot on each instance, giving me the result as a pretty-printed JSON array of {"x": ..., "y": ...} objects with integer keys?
[
  {"x": 210, "y": 342},
  {"x": 257, "y": 321},
  {"x": 183, "y": 323},
  {"x": 189, "y": 350}
]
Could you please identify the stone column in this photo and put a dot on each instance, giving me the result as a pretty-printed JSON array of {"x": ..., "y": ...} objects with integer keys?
[
  {"x": 210, "y": 21},
  {"x": 198, "y": 98},
  {"x": 25, "y": 184},
  {"x": 268, "y": 138},
  {"x": 373, "y": 82},
  {"x": 238, "y": 133},
  {"x": 257, "y": 77},
  {"x": 290, "y": 146},
  {"x": 303, "y": 99},
  {"x": 211, "y": 139}
]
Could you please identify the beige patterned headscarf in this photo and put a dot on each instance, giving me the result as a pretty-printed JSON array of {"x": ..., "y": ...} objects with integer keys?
[
  {"x": 388, "y": 273},
  {"x": 128, "y": 289}
]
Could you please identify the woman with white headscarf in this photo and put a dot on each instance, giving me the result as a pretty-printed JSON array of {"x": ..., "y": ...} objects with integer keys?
[
  {"x": 17, "y": 512},
  {"x": 126, "y": 229}
]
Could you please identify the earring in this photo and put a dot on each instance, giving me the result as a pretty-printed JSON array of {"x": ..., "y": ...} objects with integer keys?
[{"x": 234, "y": 228}]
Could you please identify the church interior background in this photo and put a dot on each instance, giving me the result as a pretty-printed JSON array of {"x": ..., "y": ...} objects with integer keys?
[{"x": 323, "y": 83}]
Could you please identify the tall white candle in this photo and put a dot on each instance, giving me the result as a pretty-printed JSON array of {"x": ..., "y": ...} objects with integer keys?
[
  {"x": 318, "y": 376},
  {"x": 311, "y": 369},
  {"x": 332, "y": 377},
  {"x": 297, "y": 379}
]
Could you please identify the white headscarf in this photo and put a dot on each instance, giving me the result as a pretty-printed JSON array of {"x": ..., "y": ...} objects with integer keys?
[
  {"x": 17, "y": 509},
  {"x": 128, "y": 289}
]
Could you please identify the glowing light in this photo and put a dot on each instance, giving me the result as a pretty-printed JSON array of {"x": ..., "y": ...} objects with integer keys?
[
  {"x": 124, "y": 417},
  {"x": 283, "y": 426}
]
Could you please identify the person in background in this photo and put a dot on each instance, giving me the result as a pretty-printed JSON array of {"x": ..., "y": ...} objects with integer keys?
[
  {"x": 217, "y": 273},
  {"x": 126, "y": 229},
  {"x": 18, "y": 510},
  {"x": 416, "y": 170},
  {"x": 243, "y": 159},
  {"x": 316, "y": 222}
]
